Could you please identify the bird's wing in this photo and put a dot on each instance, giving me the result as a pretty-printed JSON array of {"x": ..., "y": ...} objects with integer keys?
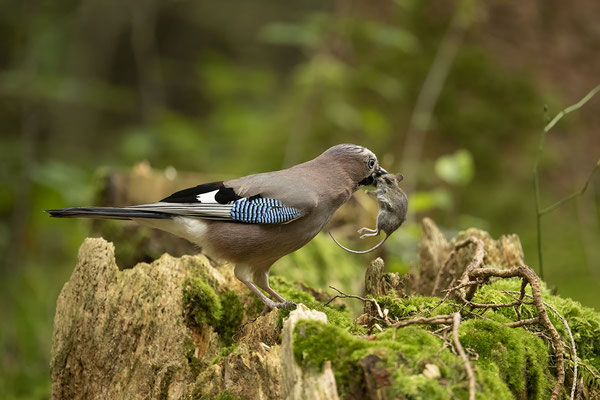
[
  {"x": 217, "y": 201},
  {"x": 298, "y": 187}
]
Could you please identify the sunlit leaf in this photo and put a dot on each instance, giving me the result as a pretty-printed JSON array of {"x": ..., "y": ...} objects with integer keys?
[{"x": 457, "y": 168}]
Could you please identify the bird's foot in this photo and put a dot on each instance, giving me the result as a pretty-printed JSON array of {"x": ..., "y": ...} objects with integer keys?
[{"x": 271, "y": 305}]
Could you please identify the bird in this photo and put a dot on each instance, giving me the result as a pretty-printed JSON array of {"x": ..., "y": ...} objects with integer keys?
[{"x": 255, "y": 220}]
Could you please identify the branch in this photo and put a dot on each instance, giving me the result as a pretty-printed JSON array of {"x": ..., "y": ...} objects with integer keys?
[{"x": 572, "y": 108}]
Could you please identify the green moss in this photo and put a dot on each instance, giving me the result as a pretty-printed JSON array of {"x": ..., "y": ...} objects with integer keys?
[
  {"x": 231, "y": 317},
  {"x": 409, "y": 349},
  {"x": 585, "y": 327},
  {"x": 583, "y": 321},
  {"x": 202, "y": 305},
  {"x": 422, "y": 305},
  {"x": 493, "y": 387},
  {"x": 521, "y": 358},
  {"x": 512, "y": 362},
  {"x": 316, "y": 342},
  {"x": 418, "y": 387}
]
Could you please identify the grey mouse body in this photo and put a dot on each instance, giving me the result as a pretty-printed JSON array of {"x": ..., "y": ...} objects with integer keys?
[{"x": 393, "y": 205}]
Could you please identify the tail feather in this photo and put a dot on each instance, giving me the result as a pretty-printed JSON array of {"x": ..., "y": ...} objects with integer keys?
[{"x": 105, "y": 213}]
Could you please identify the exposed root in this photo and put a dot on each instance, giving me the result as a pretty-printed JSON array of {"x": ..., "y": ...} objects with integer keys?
[
  {"x": 573, "y": 348},
  {"x": 461, "y": 352},
  {"x": 532, "y": 279},
  {"x": 523, "y": 322},
  {"x": 438, "y": 319}
]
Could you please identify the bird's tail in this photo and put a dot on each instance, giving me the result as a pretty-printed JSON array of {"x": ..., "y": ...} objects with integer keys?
[{"x": 106, "y": 213}]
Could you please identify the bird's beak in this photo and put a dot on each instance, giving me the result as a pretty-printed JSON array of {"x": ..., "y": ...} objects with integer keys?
[
  {"x": 370, "y": 180},
  {"x": 379, "y": 171}
]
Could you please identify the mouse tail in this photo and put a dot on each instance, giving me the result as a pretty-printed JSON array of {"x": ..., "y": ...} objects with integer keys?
[{"x": 359, "y": 252}]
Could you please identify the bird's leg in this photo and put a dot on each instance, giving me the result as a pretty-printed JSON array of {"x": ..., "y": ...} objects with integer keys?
[
  {"x": 269, "y": 304},
  {"x": 243, "y": 273},
  {"x": 261, "y": 279}
]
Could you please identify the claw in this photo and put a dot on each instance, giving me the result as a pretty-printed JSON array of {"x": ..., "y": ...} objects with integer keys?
[{"x": 272, "y": 305}]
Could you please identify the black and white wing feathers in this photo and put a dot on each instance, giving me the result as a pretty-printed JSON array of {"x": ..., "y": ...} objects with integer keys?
[{"x": 216, "y": 201}]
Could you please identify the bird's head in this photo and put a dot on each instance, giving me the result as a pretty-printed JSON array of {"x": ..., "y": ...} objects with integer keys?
[{"x": 358, "y": 161}]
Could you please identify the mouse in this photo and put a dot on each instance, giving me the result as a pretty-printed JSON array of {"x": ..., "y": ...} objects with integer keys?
[{"x": 393, "y": 205}]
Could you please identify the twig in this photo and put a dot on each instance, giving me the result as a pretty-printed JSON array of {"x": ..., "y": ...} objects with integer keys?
[
  {"x": 463, "y": 355},
  {"x": 586, "y": 367},
  {"x": 523, "y": 322},
  {"x": 462, "y": 285},
  {"x": 343, "y": 295},
  {"x": 572, "y": 195},
  {"x": 451, "y": 290},
  {"x": 572, "y": 108},
  {"x": 536, "y": 179},
  {"x": 438, "y": 319}
]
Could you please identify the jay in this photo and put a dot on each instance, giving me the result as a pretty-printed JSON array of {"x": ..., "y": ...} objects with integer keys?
[{"x": 255, "y": 220}]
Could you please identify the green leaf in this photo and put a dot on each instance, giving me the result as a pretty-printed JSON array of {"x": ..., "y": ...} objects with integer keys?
[{"x": 457, "y": 168}]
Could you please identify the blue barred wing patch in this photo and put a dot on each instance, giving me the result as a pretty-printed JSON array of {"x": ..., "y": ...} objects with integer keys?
[{"x": 263, "y": 211}]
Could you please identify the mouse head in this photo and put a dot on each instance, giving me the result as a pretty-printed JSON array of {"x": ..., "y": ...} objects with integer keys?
[{"x": 389, "y": 180}]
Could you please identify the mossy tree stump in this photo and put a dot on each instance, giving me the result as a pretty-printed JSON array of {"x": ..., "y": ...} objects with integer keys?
[{"x": 183, "y": 328}]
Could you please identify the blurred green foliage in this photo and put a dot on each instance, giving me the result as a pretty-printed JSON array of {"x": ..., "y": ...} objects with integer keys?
[{"x": 235, "y": 88}]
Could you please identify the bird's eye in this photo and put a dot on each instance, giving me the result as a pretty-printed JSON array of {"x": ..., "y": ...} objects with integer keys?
[{"x": 371, "y": 163}]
